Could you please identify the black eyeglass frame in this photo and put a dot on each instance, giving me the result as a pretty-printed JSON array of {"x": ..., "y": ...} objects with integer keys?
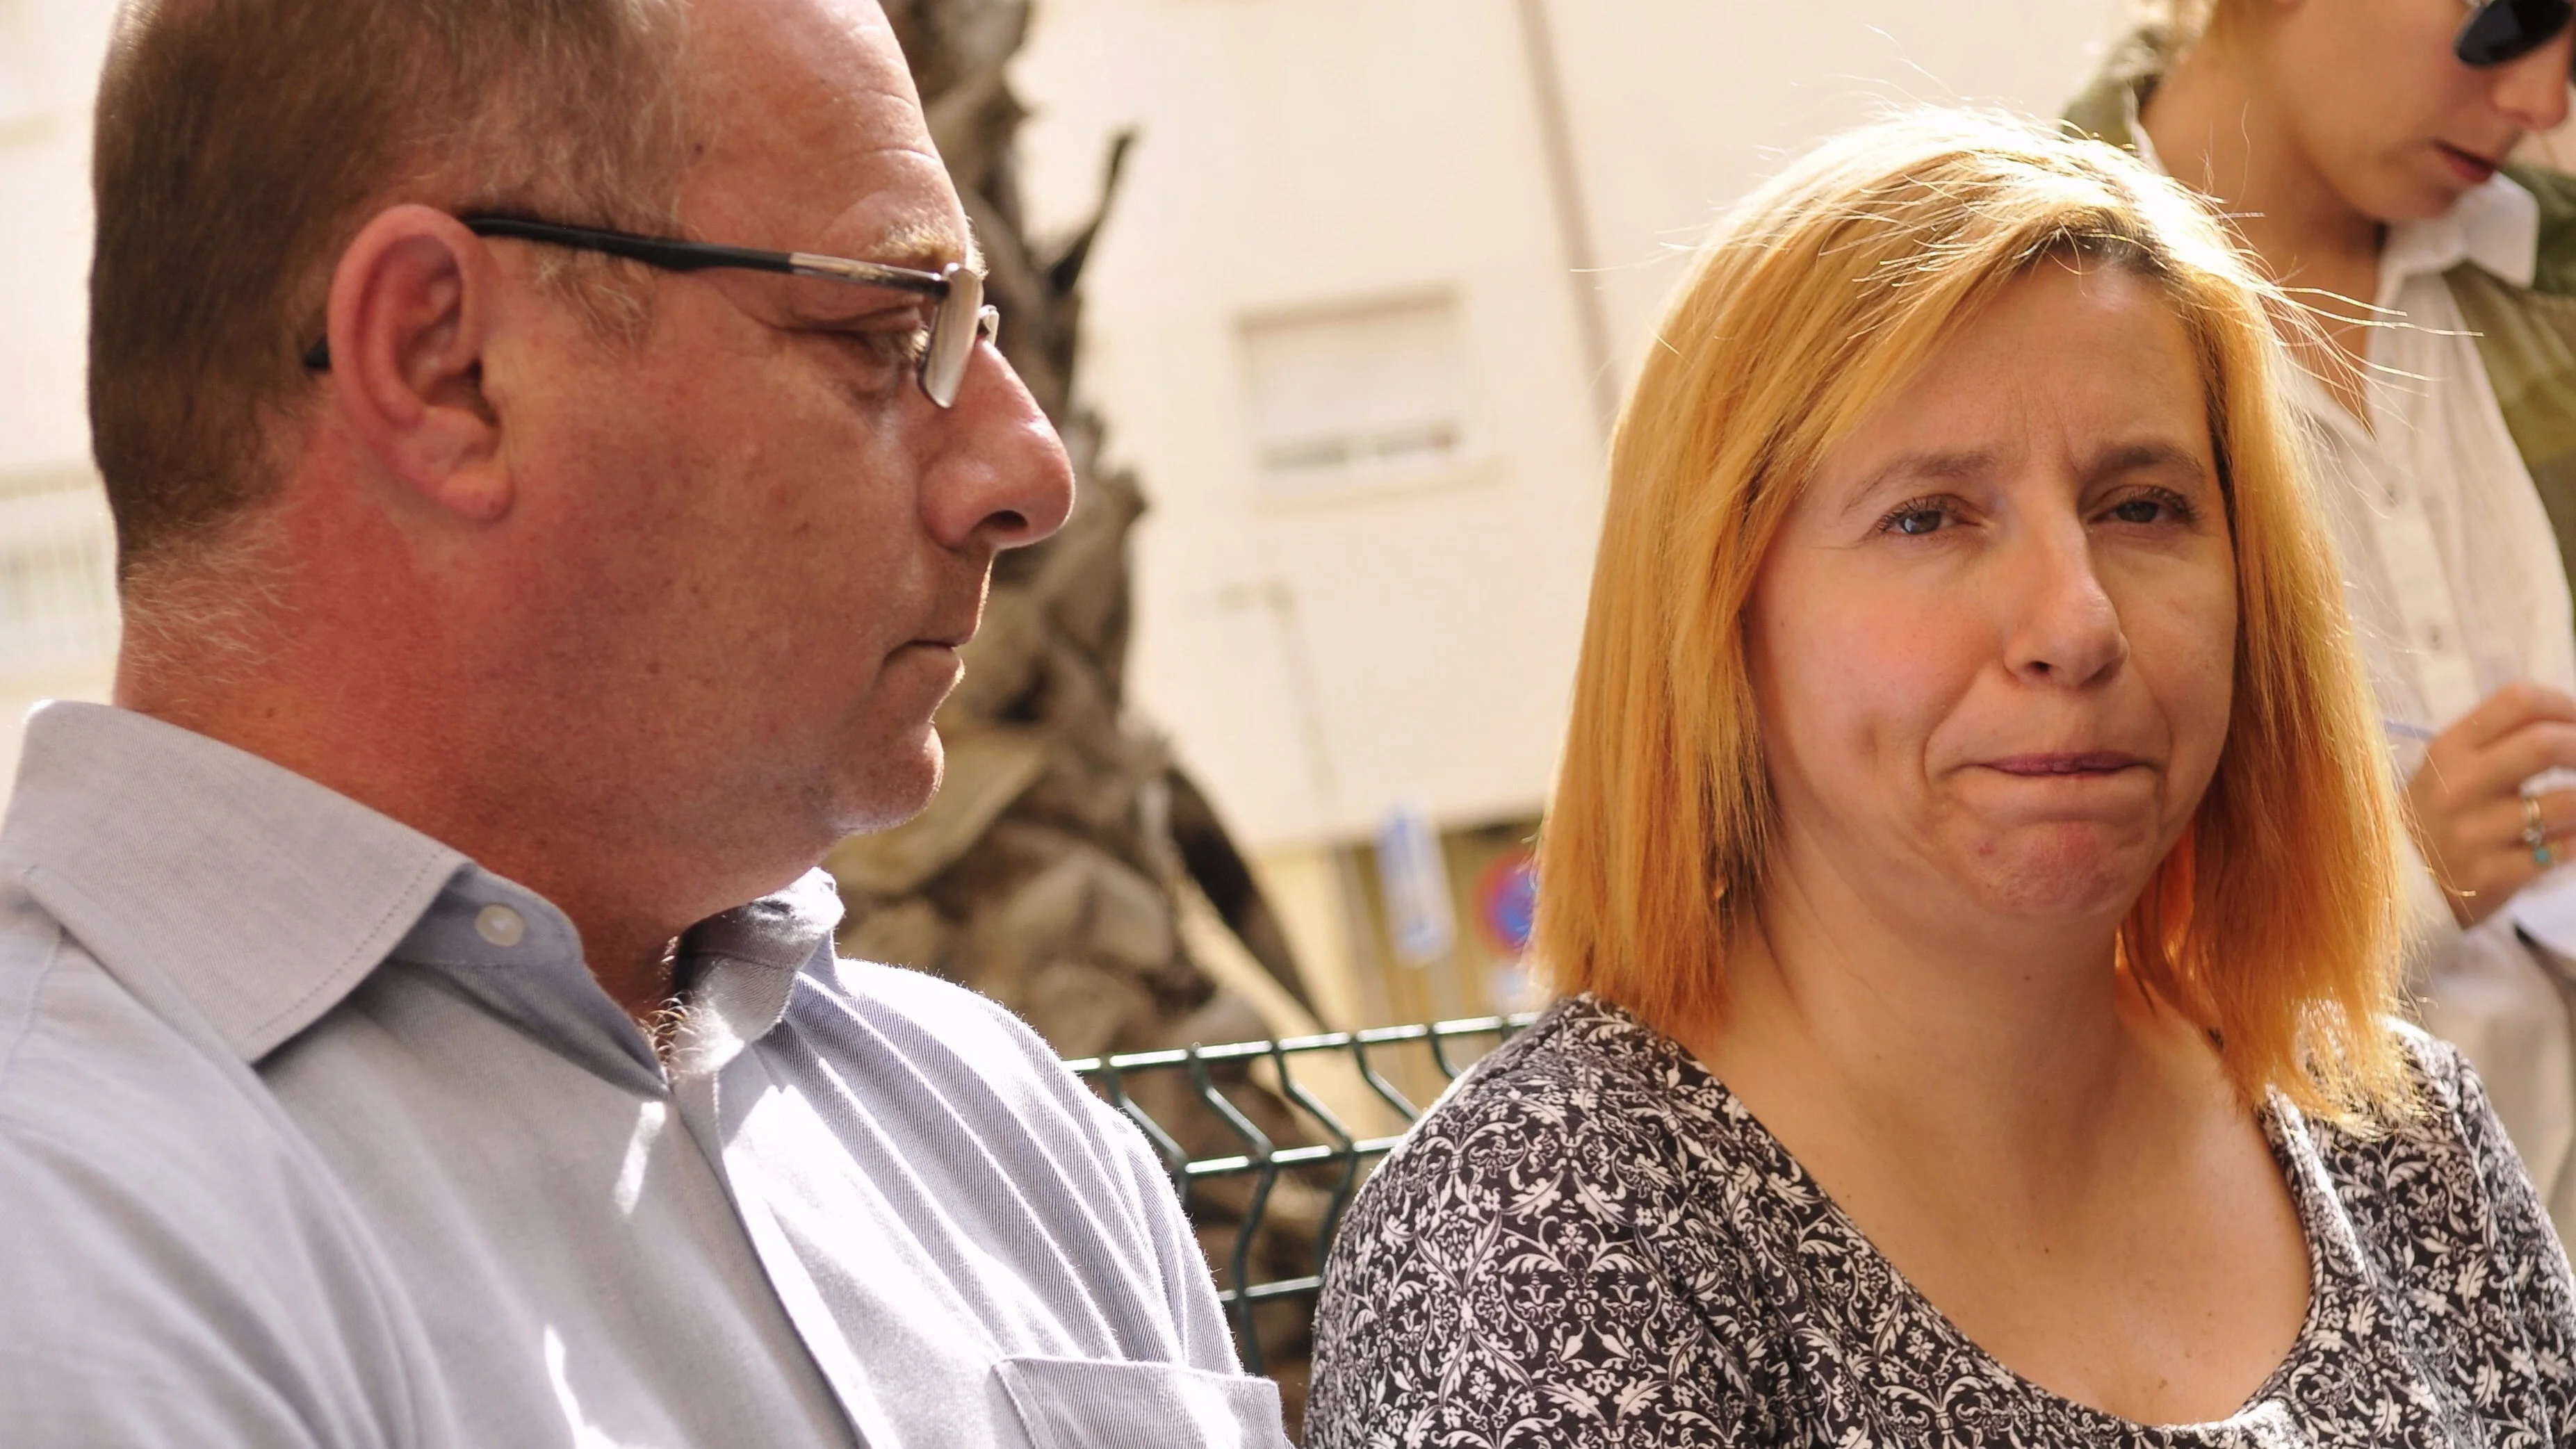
[
  {"x": 957, "y": 324},
  {"x": 2500, "y": 32}
]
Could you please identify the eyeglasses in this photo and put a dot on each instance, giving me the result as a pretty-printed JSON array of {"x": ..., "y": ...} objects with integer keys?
[
  {"x": 957, "y": 323},
  {"x": 2507, "y": 30}
]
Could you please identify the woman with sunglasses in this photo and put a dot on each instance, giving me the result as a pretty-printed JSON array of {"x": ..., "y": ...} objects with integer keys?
[{"x": 2360, "y": 148}]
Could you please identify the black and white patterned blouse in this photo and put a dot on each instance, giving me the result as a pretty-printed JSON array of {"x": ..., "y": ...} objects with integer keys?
[{"x": 1590, "y": 1242}]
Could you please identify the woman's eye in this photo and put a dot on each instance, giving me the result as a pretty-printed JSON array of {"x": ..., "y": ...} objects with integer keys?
[
  {"x": 1916, "y": 522},
  {"x": 2149, "y": 508}
]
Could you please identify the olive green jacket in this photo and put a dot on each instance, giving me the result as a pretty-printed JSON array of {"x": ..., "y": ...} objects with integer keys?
[{"x": 2526, "y": 335}]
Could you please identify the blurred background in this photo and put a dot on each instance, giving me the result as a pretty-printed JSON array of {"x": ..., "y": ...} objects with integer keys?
[{"x": 1349, "y": 335}]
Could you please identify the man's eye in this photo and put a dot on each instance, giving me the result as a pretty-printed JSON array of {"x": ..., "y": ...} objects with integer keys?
[{"x": 891, "y": 346}]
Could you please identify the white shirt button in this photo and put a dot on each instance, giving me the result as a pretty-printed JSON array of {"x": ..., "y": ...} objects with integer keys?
[{"x": 500, "y": 925}]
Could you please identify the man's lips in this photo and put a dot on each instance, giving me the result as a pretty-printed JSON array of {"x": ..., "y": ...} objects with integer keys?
[
  {"x": 955, "y": 637},
  {"x": 2472, "y": 167},
  {"x": 2085, "y": 762}
]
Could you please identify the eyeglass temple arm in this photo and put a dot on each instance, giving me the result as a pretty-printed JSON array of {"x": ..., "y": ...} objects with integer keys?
[{"x": 686, "y": 256}]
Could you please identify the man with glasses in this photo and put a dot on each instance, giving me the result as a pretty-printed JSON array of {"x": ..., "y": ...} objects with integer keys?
[
  {"x": 558, "y": 453},
  {"x": 2361, "y": 149}
]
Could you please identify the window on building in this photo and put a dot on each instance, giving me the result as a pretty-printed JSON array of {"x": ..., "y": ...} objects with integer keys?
[
  {"x": 1364, "y": 396},
  {"x": 57, "y": 575}
]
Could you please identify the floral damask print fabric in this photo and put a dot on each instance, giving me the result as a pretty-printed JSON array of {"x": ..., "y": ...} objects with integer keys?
[{"x": 1590, "y": 1242}]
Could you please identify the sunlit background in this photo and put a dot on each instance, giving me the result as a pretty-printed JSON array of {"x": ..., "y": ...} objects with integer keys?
[{"x": 1370, "y": 289}]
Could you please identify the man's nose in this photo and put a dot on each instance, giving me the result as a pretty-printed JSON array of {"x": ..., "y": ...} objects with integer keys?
[
  {"x": 2532, "y": 90},
  {"x": 1002, "y": 479},
  {"x": 2062, "y": 626}
]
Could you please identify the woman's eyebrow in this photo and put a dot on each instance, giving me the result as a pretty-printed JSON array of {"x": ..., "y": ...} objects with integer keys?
[
  {"x": 2140, "y": 457},
  {"x": 1911, "y": 470}
]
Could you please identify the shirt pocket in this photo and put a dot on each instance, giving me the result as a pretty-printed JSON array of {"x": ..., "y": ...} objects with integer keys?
[{"x": 1077, "y": 1403}]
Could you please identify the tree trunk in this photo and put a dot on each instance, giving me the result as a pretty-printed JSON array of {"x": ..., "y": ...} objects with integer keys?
[{"x": 1067, "y": 864}]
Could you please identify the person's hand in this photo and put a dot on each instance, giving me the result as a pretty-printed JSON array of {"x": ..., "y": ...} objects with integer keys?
[{"x": 2466, "y": 801}]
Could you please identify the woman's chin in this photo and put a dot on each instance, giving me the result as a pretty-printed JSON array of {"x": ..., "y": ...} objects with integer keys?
[{"x": 2065, "y": 875}]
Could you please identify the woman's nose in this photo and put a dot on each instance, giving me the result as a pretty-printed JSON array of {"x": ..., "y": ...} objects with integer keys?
[{"x": 2063, "y": 627}]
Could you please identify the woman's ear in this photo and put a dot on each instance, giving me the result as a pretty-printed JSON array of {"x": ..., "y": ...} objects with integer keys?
[{"x": 410, "y": 312}]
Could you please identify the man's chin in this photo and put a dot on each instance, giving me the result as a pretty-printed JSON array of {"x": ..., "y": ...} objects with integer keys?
[{"x": 892, "y": 787}]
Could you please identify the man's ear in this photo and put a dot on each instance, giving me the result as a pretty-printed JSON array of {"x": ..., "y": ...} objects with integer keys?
[{"x": 412, "y": 306}]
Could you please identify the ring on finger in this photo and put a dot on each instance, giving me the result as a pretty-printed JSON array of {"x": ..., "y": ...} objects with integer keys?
[{"x": 2535, "y": 833}]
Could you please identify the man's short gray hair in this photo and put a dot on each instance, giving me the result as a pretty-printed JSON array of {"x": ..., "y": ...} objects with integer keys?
[{"x": 243, "y": 143}]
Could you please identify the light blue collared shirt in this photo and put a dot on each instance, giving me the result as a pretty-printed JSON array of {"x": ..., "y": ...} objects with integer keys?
[{"x": 314, "y": 1133}]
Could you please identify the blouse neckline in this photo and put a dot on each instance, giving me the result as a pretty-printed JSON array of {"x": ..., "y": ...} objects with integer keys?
[{"x": 2331, "y": 1261}]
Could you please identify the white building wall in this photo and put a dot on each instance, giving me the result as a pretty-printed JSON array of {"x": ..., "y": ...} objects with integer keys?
[
  {"x": 57, "y": 627},
  {"x": 1681, "y": 106},
  {"x": 1306, "y": 156}
]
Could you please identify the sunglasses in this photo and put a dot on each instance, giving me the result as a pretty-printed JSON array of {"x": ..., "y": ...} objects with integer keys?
[
  {"x": 2507, "y": 30},
  {"x": 959, "y": 318}
]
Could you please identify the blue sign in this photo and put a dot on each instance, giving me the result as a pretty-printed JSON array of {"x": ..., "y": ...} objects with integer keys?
[{"x": 1507, "y": 901}]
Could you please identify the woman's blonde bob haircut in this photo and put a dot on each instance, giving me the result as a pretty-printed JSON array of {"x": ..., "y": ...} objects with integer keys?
[{"x": 2274, "y": 922}]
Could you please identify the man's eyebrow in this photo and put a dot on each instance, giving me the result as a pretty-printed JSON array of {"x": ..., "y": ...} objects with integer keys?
[{"x": 923, "y": 246}]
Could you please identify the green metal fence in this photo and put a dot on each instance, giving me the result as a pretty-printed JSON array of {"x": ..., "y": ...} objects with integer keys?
[{"x": 1221, "y": 1090}]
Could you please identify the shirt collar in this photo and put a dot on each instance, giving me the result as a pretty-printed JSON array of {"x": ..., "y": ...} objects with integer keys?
[
  {"x": 509, "y": 950},
  {"x": 2495, "y": 224},
  {"x": 512, "y": 952},
  {"x": 265, "y": 899},
  {"x": 744, "y": 965}
]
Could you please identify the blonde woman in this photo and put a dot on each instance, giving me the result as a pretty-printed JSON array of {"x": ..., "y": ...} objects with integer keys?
[{"x": 1973, "y": 875}]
